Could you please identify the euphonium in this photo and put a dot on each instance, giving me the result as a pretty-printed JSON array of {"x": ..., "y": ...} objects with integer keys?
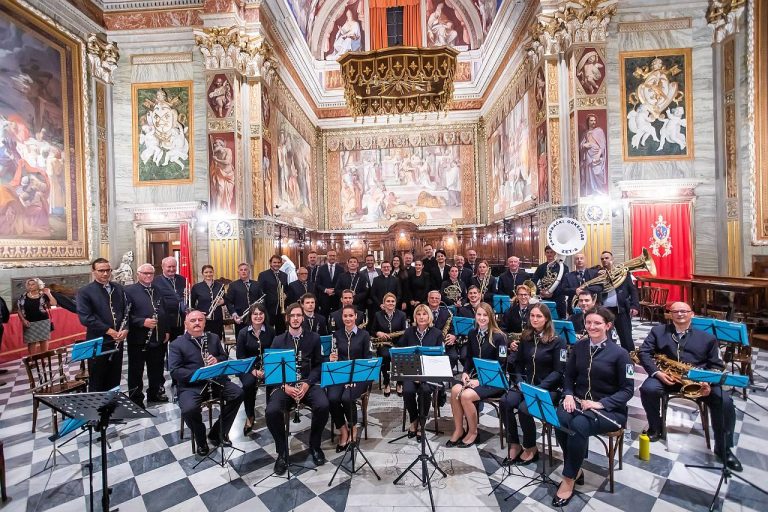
[
  {"x": 612, "y": 279},
  {"x": 677, "y": 370}
]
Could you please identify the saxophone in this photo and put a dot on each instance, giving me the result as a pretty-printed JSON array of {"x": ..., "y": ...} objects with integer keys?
[
  {"x": 484, "y": 283},
  {"x": 365, "y": 321},
  {"x": 386, "y": 342},
  {"x": 676, "y": 371},
  {"x": 447, "y": 326}
]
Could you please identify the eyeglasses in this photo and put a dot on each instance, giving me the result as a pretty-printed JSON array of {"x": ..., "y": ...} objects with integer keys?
[
  {"x": 103, "y": 270},
  {"x": 680, "y": 311},
  {"x": 296, "y": 316}
]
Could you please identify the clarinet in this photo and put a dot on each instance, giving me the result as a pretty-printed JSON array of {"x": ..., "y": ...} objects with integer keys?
[
  {"x": 296, "y": 418},
  {"x": 123, "y": 325},
  {"x": 204, "y": 349},
  {"x": 598, "y": 413}
]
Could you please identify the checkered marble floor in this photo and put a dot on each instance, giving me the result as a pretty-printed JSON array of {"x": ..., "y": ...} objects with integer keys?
[{"x": 151, "y": 468}]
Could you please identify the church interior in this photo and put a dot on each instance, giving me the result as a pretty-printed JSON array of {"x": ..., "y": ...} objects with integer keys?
[{"x": 226, "y": 132}]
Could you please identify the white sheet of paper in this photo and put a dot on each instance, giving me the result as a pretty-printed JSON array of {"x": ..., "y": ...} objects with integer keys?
[{"x": 436, "y": 366}]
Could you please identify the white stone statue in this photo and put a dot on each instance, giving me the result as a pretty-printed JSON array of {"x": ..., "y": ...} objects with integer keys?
[{"x": 124, "y": 272}]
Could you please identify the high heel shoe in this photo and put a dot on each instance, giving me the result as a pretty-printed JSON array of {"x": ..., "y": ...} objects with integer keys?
[
  {"x": 341, "y": 447},
  {"x": 525, "y": 462},
  {"x": 399, "y": 390},
  {"x": 580, "y": 478},
  {"x": 451, "y": 444},
  {"x": 462, "y": 444},
  {"x": 248, "y": 427},
  {"x": 387, "y": 392}
]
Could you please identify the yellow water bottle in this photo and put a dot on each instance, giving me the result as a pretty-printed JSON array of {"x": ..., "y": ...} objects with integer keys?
[{"x": 645, "y": 447}]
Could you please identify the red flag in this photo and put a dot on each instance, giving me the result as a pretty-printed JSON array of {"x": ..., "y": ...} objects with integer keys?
[
  {"x": 665, "y": 229},
  {"x": 185, "y": 260}
]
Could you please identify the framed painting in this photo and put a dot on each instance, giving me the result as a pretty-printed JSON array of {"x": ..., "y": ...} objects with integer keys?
[
  {"x": 657, "y": 97},
  {"x": 42, "y": 145},
  {"x": 162, "y": 133}
]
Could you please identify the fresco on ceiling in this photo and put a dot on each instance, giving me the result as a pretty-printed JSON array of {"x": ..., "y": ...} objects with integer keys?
[
  {"x": 444, "y": 27},
  {"x": 347, "y": 33}
]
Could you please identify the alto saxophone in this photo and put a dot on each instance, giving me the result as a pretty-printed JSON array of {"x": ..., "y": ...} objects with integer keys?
[
  {"x": 386, "y": 342},
  {"x": 447, "y": 326},
  {"x": 676, "y": 370}
]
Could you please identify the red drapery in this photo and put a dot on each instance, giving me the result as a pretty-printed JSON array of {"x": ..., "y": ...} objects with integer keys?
[
  {"x": 665, "y": 229},
  {"x": 411, "y": 22},
  {"x": 185, "y": 258},
  {"x": 67, "y": 330}
]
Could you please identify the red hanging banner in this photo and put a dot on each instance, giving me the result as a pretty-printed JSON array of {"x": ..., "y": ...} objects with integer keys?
[
  {"x": 185, "y": 258},
  {"x": 665, "y": 229}
]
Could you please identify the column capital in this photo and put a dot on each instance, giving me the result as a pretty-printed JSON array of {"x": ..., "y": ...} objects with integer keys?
[
  {"x": 233, "y": 48},
  {"x": 723, "y": 16},
  {"x": 102, "y": 57}
]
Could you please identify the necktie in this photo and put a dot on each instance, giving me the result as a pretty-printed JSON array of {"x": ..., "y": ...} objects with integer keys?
[
  {"x": 108, "y": 288},
  {"x": 581, "y": 276},
  {"x": 330, "y": 270},
  {"x": 173, "y": 283}
]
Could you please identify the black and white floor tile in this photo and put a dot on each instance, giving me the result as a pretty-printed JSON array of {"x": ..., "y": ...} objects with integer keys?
[{"x": 151, "y": 468}]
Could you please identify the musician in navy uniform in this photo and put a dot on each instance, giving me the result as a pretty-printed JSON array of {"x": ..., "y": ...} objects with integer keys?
[
  {"x": 313, "y": 321},
  {"x": 334, "y": 319},
  {"x": 146, "y": 338},
  {"x": 202, "y": 296},
  {"x": 327, "y": 276},
  {"x": 484, "y": 281},
  {"x": 349, "y": 342},
  {"x": 309, "y": 359},
  {"x": 251, "y": 342},
  {"x": 597, "y": 385},
  {"x": 102, "y": 309},
  {"x": 355, "y": 281},
  {"x": 468, "y": 310},
  {"x": 241, "y": 294},
  {"x": 441, "y": 271},
  {"x": 573, "y": 280},
  {"x": 188, "y": 353},
  {"x": 515, "y": 320},
  {"x": 679, "y": 342},
  {"x": 274, "y": 284},
  {"x": 441, "y": 318},
  {"x": 586, "y": 302},
  {"x": 382, "y": 285},
  {"x": 423, "y": 334},
  {"x": 171, "y": 287},
  {"x": 512, "y": 277},
  {"x": 302, "y": 286},
  {"x": 551, "y": 266},
  {"x": 540, "y": 361},
  {"x": 456, "y": 289},
  {"x": 385, "y": 322}
]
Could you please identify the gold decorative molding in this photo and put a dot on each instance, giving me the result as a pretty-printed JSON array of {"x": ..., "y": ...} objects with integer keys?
[
  {"x": 591, "y": 102},
  {"x": 232, "y": 48},
  {"x": 723, "y": 16},
  {"x": 221, "y": 125},
  {"x": 555, "y": 32},
  {"x": 387, "y": 138},
  {"x": 555, "y": 193},
  {"x": 655, "y": 25},
  {"x": 102, "y": 57},
  {"x": 161, "y": 58}
]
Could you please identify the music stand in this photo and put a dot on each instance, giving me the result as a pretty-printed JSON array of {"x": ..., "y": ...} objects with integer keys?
[
  {"x": 462, "y": 325},
  {"x": 501, "y": 304},
  {"x": 552, "y": 305},
  {"x": 565, "y": 329},
  {"x": 211, "y": 374},
  {"x": 280, "y": 370},
  {"x": 86, "y": 349},
  {"x": 67, "y": 427},
  {"x": 721, "y": 379},
  {"x": 326, "y": 342},
  {"x": 97, "y": 410},
  {"x": 341, "y": 373},
  {"x": 417, "y": 362}
]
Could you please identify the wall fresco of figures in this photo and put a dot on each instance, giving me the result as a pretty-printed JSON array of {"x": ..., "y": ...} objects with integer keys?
[
  {"x": 445, "y": 27},
  {"x": 347, "y": 33},
  {"x": 222, "y": 172},
  {"x": 220, "y": 96},
  {"x": 293, "y": 187},
  {"x": 592, "y": 126}
]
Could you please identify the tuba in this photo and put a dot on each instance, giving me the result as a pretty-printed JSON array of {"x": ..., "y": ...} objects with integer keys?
[
  {"x": 612, "y": 279},
  {"x": 677, "y": 370}
]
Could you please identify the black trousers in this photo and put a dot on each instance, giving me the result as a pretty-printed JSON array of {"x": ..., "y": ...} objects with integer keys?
[
  {"x": 216, "y": 327},
  {"x": 722, "y": 414},
  {"x": 140, "y": 355},
  {"x": 623, "y": 325},
  {"x": 106, "y": 371},
  {"x": 410, "y": 388},
  {"x": 386, "y": 363},
  {"x": 250, "y": 386},
  {"x": 279, "y": 402},
  {"x": 191, "y": 399},
  {"x": 513, "y": 401},
  {"x": 583, "y": 425},
  {"x": 342, "y": 402}
]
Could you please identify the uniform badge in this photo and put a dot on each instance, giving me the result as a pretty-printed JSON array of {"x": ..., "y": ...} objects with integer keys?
[
  {"x": 563, "y": 355},
  {"x": 502, "y": 351},
  {"x": 630, "y": 371}
]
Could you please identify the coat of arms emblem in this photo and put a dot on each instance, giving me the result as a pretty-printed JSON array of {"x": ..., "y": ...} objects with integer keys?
[{"x": 661, "y": 239}]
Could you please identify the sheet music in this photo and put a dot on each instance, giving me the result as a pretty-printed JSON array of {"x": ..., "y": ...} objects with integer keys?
[{"x": 436, "y": 366}]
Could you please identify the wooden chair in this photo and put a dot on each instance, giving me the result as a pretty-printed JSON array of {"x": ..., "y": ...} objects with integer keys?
[
  {"x": 363, "y": 403},
  {"x": 494, "y": 402},
  {"x": 646, "y": 300},
  {"x": 207, "y": 403},
  {"x": 435, "y": 411},
  {"x": 48, "y": 376},
  {"x": 614, "y": 444},
  {"x": 703, "y": 412},
  {"x": 659, "y": 303}
]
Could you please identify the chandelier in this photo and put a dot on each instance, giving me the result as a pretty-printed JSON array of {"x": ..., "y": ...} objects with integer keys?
[{"x": 399, "y": 80}]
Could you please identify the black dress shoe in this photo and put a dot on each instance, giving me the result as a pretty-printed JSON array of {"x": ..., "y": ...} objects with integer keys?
[
  {"x": 561, "y": 502},
  {"x": 653, "y": 435},
  {"x": 451, "y": 444},
  {"x": 732, "y": 462},
  {"x": 202, "y": 449},
  {"x": 341, "y": 447},
  {"x": 224, "y": 441},
  {"x": 462, "y": 444},
  {"x": 248, "y": 427},
  {"x": 411, "y": 434},
  {"x": 280, "y": 466},
  {"x": 318, "y": 457},
  {"x": 532, "y": 460},
  {"x": 510, "y": 462}
]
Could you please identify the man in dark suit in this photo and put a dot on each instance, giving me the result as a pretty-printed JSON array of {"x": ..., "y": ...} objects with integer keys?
[
  {"x": 312, "y": 267},
  {"x": 573, "y": 280},
  {"x": 146, "y": 338},
  {"x": 383, "y": 284},
  {"x": 328, "y": 276},
  {"x": 355, "y": 281},
  {"x": 465, "y": 273},
  {"x": 472, "y": 261},
  {"x": 679, "y": 342},
  {"x": 441, "y": 270},
  {"x": 430, "y": 264},
  {"x": 241, "y": 294},
  {"x": 171, "y": 287},
  {"x": 188, "y": 353},
  {"x": 102, "y": 309},
  {"x": 313, "y": 321},
  {"x": 551, "y": 266},
  {"x": 622, "y": 301},
  {"x": 274, "y": 284},
  {"x": 301, "y": 286},
  {"x": 334, "y": 319},
  {"x": 512, "y": 277}
]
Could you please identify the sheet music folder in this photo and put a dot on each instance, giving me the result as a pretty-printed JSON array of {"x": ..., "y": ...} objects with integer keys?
[{"x": 421, "y": 363}]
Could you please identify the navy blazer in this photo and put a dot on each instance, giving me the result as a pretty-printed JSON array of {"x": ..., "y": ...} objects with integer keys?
[
  {"x": 185, "y": 358},
  {"x": 383, "y": 285},
  {"x": 93, "y": 309},
  {"x": 541, "y": 271},
  {"x": 268, "y": 284},
  {"x": 173, "y": 299},
  {"x": 248, "y": 345},
  {"x": 318, "y": 323},
  {"x": 297, "y": 288},
  {"x": 202, "y": 297},
  {"x": 626, "y": 294},
  {"x": 358, "y": 283},
  {"x": 360, "y": 348},
  {"x": 432, "y": 338},
  {"x": 571, "y": 282},
  {"x": 540, "y": 364},
  {"x": 334, "y": 320},
  {"x": 486, "y": 351},
  {"x": 490, "y": 290},
  {"x": 439, "y": 320},
  {"x": 508, "y": 283},
  {"x": 694, "y": 347},
  {"x": 145, "y": 303},
  {"x": 311, "y": 352},
  {"x": 396, "y": 323},
  {"x": 239, "y": 297},
  {"x": 465, "y": 275},
  {"x": 514, "y": 320},
  {"x": 323, "y": 279}
]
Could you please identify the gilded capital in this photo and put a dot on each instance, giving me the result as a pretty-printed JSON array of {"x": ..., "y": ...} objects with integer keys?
[
  {"x": 256, "y": 59},
  {"x": 220, "y": 47},
  {"x": 723, "y": 16},
  {"x": 556, "y": 31},
  {"x": 102, "y": 57}
]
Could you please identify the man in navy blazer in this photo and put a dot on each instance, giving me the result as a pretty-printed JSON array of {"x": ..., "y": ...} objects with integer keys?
[
  {"x": 509, "y": 280},
  {"x": 185, "y": 357},
  {"x": 679, "y": 342},
  {"x": 328, "y": 276},
  {"x": 240, "y": 294},
  {"x": 573, "y": 280},
  {"x": 270, "y": 282},
  {"x": 171, "y": 287}
]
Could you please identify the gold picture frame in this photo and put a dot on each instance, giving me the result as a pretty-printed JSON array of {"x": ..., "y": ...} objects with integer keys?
[
  {"x": 163, "y": 133},
  {"x": 760, "y": 115},
  {"x": 43, "y": 162},
  {"x": 657, "y": 104}
]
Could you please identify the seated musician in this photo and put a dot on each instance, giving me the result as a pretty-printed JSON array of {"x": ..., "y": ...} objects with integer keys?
[
  {"x": 251, "y": 342},
  {"x": 484, "y": 281},
  {"x": 441, "y": 320},
  {"x": 349, "y": 342},
  {"x": 334, "y": 319},
  {"x": 586, "y": 302},
  {"x": 309, "y": 358},
  {"x": 187, "y": 353},
  {"x": 597, "y": 385},
  {"x": 486, "y": 341},
  {"x": 515, "y": 319},
  {"x": 453, "y": 290},
  {"x": 386, "y": 322},
  {"x": 679, "y": 342},
  {"x": 422, "y": 333},
  {"x": 540, "y": 361},
  {"x": 313, "y": 321}
]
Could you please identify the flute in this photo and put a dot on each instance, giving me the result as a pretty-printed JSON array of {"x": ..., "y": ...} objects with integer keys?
[{"x": 598, "y": 413}]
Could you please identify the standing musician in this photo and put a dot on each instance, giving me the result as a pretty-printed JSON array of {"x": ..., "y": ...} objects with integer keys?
[
  {"x": 515, "y": 320},
  {"x": 312, "y": 267},
  {"x": 423, "y": 334},
  {"x": 382, "y": 285},
  {"x": 550, "y": 269},
  {"x": 385, "y": 322},
  {"x": 313, "y": 321},
  {"x": 241, "y": 294},
  {"x": 471, "y": 262},
  {"x": 430, "y": 265},
  {"x": 597, "y": 385},
  {"x": 173, "y": 290},
  {"x": 484, "y": 281},
  {"x": 146, "y": 338},
  {"x": 679, "y": 342},
  {"x": 309, "y": 358},
  {"x": 334, "y": 319},
  {"x": 301, "y": 286},
  {"x": 622, "y": 301},
  {"x": 349, "y": 343},
  {"x": 405, "y": 276},
  {"x": 355, "y": 281},
  {"x": 440, "y": 271},
  {"x": 102, "y": 309},
  {"x": 512, "y": 277},
  {"x": 328, "y": 276},
  {"x": 274, "y": 284},
  {"x": 573, "y": 280},
  {"x": 203, "y": 295},
  {"x": 453, "y": 291},
  {"x": 465, "y": 273},
  {"x": 188, "y": 353},
  {"x": 486, "y": 341},
  {"x": 370, "y": 271},
  {"x": 539, "y": 360},
  {"x": 420, "y": 282},
  {"x": 251, "y": 342}
]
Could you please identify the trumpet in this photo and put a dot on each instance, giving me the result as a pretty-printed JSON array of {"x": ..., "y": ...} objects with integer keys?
[
  {"x": 212, "y": 309},
  {"x": 281, "y": 296}
]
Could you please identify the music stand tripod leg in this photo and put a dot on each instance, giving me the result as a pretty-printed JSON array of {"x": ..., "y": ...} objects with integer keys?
[{"x": 353, "y": 447}]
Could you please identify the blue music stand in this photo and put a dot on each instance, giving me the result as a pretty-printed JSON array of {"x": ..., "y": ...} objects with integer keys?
[
  {"x": 462, "y": 325},
  {"x": 552, "y": 305},
  {"x": 721, "y": 379},
  {"x": 731, "y": 332},
  {"x": 490, "y": 373},
  {"x": 326, "y": 342},
  {"x": 87, "y": 349},
  {"x": 501, "y": 303},
  {"x": 703, "y": 323},
  {"x": 279, "y": 367},
  {"x": 565, "y": 329},
  {"x": 345, "y": 373}
]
